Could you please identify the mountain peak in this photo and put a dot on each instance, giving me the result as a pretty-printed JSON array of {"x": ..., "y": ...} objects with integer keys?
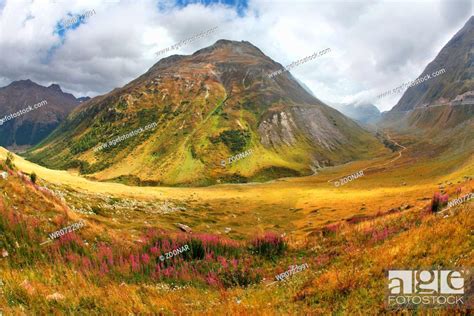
[
  {"x": 27, "y": 130},
  {"x": 55, "y": 87},
  {"x": 221, "y": 53},
  {"x": 226, "y": 42},
  {"x": 234, "y": 47},
  {"x": 23, "y": 83},
  {"x": 219, "y": 96}
]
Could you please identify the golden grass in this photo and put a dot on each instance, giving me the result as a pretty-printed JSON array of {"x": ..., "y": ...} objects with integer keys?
[
  {"x": 350, "y": 284},
  {"x": 294, "y": 205}
]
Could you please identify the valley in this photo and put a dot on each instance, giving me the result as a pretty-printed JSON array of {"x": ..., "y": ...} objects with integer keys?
[
  {"x": 295, "y": 205},
  {"x": 394, "y": 188},
  {"x": 214, "y": 181}
]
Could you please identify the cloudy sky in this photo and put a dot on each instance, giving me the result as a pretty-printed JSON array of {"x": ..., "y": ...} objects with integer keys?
[{"x": 376, "y": 45}]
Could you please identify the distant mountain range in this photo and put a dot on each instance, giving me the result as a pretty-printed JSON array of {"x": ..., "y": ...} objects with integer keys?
[
  {"x": 209, "y": 106},
  {"x": 365, "y": 113},
  {"x": 30, "y": 128},
  {"x": 83, "y": 99}
]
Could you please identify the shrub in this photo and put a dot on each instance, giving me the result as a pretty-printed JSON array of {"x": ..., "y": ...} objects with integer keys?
[
  {"x": 269, "y": 245},
  {"x": 239, "y": 277},
  {"x": 438, "y": 202},
  {"x": 33, "y": 177},
  {"x": 235, "y": 140}
]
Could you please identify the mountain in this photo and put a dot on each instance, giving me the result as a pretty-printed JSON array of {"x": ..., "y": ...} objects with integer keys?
[
  {"x": 365, "y": 113},
  {"x": 440, "y": 111},
  {"x": 305, "y": 87},
  {"x": 457, "y": 58},
  {"x": 41, "y": 110},
  {"x": 83, "y": 99},
  {"x": 204, "y": 109}
]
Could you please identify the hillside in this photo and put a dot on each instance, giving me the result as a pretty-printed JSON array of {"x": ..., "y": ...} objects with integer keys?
[
  {"x": 441, "y": 108},
  {"x": 207, "y": 107},
  {"x": 346, "y": 240},
  {"x": 30, "y": 128},
  {"x": 457, "y": 58}
]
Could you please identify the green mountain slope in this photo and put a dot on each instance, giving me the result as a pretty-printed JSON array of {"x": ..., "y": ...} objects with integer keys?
[{"x": 209, "y": 106}]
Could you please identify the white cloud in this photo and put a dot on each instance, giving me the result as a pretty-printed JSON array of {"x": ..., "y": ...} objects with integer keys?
[{"x": 375, "y": 45}]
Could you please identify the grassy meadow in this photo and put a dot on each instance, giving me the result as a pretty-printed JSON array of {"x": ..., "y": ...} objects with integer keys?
[{"x": 243, "y": 235}]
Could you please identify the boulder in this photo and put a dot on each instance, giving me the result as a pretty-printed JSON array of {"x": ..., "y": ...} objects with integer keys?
[
  {"x": 184, "y": 228},
  {"x": 55, "y": 297}
]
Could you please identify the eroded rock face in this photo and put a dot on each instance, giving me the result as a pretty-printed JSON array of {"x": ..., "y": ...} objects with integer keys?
[
  {"x": 318, "y": 127},
  {"x": 282, "y": 128},
  {"x": 279, "y": 129}
]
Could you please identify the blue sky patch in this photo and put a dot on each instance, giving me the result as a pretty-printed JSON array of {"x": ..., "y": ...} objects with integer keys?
[
  {"x": 71, "y": 22},
  {"x": 240, "y": 6}
]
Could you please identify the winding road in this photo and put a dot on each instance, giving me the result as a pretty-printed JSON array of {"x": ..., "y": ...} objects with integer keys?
[{"x": 389, "y": 162}]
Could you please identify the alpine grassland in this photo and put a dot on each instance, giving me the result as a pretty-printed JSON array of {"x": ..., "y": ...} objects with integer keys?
[{"x": 347, "y": 236}]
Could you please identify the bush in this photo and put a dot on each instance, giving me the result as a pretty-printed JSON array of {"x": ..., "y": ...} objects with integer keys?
[
  {"x": 438, "y": 202},
  {"x": 269, "y": 245},
  {"x": 235, "y": 140},
  {"x": 239, "y": 277},
  {"x": 33, "y": 177}
]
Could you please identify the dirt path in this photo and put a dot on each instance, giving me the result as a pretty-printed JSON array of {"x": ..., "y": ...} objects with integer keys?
[
  {"x": 389, "y": 162},
  {"x": 393, "y": 160}
]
